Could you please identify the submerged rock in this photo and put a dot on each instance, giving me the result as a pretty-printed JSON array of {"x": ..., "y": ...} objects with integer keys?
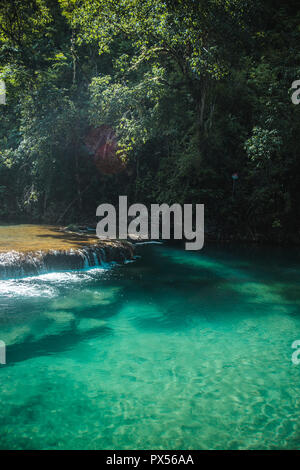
[
  {"x": 89, "y": 324},
  {"x": 87, "y": 298}
]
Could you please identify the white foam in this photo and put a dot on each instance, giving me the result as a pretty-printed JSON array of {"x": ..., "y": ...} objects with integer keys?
[{"x": 16, "y": 288}]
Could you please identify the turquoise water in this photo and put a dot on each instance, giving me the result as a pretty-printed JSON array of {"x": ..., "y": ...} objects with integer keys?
[{"x": 177, "y": 350}]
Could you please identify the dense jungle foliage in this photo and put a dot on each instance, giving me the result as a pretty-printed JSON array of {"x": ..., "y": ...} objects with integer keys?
[{"x": 195, "y": 91}]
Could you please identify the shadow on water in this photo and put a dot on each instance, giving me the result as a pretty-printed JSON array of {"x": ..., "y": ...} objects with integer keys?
[
  {"x": 212, "y": 287},
  {"x": 53, "y": 344}
]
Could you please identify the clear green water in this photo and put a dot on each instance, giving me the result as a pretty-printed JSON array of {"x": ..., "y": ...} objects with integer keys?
[{"x": 177, "y": 350}]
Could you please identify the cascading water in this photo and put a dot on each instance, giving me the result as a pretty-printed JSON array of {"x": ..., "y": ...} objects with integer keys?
[
  {"x": 27, "y": 250},
  {"x": 16, "y": 264}
]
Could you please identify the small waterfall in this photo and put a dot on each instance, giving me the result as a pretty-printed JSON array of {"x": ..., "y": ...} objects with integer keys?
[
  {"x": 103, "y": 255},
  {"x": 85, "y": 261},
  {"x": 16, "y": 264},
  {"x": 96, "y": 261}
]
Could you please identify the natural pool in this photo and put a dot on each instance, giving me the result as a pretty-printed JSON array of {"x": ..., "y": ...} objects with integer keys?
[{"x": 176, "y": 350}]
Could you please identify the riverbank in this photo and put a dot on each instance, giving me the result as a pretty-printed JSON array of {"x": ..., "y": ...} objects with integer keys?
[{"x": 217, "y": 234}]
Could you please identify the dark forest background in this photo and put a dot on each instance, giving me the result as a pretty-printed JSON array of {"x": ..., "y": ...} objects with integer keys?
[{"x": 194, "y": 92}]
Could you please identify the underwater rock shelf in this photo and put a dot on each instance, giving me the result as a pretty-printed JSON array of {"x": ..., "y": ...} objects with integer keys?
[{"x": 35, "y": 249}]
